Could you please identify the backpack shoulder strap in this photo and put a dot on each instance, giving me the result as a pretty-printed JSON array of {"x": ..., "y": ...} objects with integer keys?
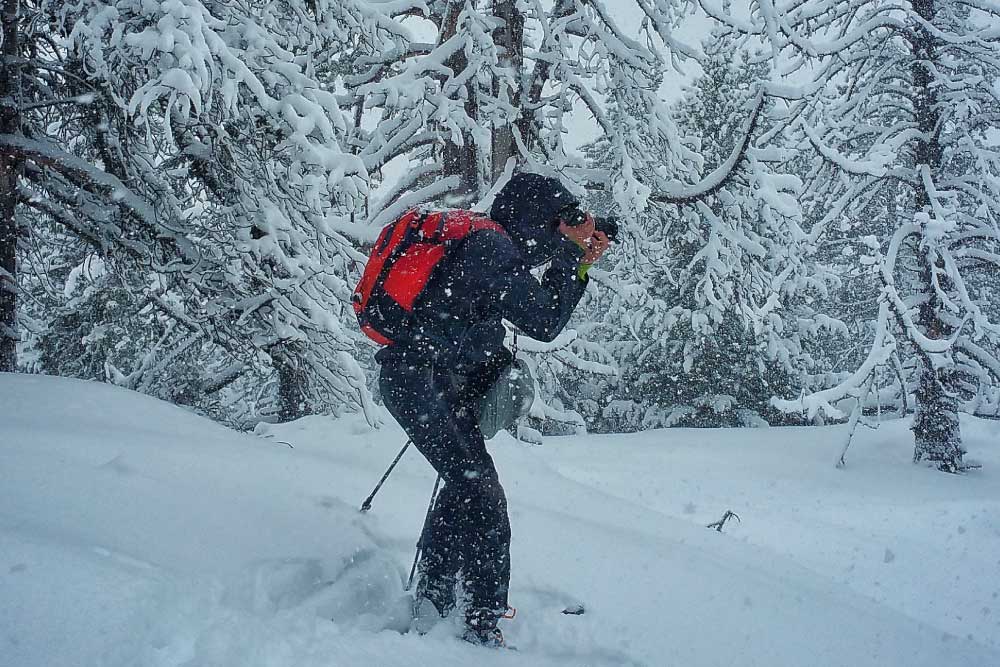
[{"x": 459, "y": 224}]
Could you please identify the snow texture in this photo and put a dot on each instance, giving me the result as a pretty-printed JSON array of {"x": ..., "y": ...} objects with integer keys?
[{"x": 135, "y": 533}]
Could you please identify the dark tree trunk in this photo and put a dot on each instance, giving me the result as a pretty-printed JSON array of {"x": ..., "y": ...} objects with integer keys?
[
  {"x": 531, "y": 93},
  {"x": 936, "y": 430},
  {"x": 292, "y": 384},
  {"x": 461, "y": 158},
  {"x": 10, "y": 121},
  {"x": 510, "y": 37}
]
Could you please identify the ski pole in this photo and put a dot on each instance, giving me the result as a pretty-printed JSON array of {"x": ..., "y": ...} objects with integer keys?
[
  {"x": 423, "y": 532},
  {"x": 367, "y": 505}
]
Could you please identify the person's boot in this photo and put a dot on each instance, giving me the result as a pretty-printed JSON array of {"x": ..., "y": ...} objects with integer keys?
[{"x": 481, "y": 628}]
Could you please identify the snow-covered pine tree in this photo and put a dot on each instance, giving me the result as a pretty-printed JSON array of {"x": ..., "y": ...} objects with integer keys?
[
  {"x": 209, "y": 164},
  {"x": 900, "y": 97},
  {"x": 708, "y": 316}
]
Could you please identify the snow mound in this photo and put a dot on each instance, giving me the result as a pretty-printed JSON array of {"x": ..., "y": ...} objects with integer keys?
[{"x": 133, "y": 532}]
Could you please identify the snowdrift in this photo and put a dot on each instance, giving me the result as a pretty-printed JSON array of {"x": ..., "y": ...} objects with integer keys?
[{"x": 135, "y": 533}]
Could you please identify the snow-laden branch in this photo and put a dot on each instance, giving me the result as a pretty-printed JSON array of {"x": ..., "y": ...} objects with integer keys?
[
  {"x": 879, "y": 353},
  {"x": 662, "y": 24},
  {"x": 720, "y": 14},
  {"x": 413, "y": 199},
  {"x": 983, "y": 357},
  {"x": 86, "y": 176},
  {"x": 721, "y": 176},
  {"x": 734, "y": 236},
  {"x": 876, "y": 166},
  {"x": 80, "y": 172},
  {"x": 980, "y": 319},
  {"x": 902, "y": 311}
]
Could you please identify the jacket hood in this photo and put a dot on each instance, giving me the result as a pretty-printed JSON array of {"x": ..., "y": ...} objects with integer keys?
[{"x": 526, "y": 208}]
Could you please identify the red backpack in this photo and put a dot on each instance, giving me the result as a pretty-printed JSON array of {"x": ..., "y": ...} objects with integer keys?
[{"x": 401, "y": 264}]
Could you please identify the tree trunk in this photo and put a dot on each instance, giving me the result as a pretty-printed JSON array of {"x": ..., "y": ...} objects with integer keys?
[
  {"x": 936, "y": 429},
  {"x": 510, "y": 37},
  {"x": 461, "y": 157},
  {"x": 10, "y": 122},
  {"x": 292, "y": 383},
  {"x": 534, "y": 86}
]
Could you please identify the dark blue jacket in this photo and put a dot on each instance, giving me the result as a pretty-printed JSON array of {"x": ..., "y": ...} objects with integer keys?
[{"x": 487, "y": 277}]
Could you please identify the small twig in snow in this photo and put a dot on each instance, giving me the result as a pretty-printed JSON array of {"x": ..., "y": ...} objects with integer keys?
[
  {"x": 722, "y": 522},
  {"x": 269, "y": 436}
]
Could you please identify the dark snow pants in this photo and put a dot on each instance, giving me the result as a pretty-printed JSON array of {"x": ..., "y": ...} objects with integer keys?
[{"x": 469, "y": 531}]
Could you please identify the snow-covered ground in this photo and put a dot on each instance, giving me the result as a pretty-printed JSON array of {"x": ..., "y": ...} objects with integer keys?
[{"x": 134, "y": 533}]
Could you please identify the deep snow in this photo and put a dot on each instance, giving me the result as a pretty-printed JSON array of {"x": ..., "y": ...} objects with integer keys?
[{"x": 135, "y": 533}]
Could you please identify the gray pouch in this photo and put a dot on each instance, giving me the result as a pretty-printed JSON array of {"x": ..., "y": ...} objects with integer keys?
[{"x": 508, "y": 400}]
